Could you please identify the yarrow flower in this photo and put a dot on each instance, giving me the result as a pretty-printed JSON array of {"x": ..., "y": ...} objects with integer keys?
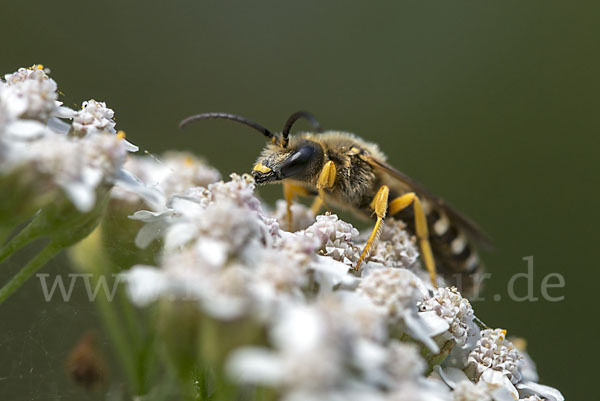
[
  {"x": 30, "y": 94},
  {"x": 331, "y": 334},
  {"x": 40, "y": 163},
  {"x": 170, "y": 174},
  {"x": 94, "y": 117},
  {"x": 395, "y": 248},
  {"x": 395, "y": 292},
  {"x": 495, "y": 360},
  {"x": 448, "y": 304},
  {"x": 335, "y": 237}
]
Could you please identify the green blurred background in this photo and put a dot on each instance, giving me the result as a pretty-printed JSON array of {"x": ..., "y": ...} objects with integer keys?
[{"x": 492, "y": 106}]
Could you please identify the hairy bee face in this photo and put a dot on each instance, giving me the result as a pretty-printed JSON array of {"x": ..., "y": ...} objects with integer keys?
[{"x": 301, "y": 162}]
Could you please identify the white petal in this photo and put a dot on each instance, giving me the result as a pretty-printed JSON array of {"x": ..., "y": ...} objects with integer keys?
[
  {"x": 64, "y": 112},
  {"x": 451, "y": 376},
  {"x": 153, "y": 196},
  {"x": 145, "y": 283},
  {"x": 25, "y": 129},
  {"x": 130, "y": 147},
  {"x": 437, "y": 324},
  {"x": 544, "y": 391},
  {"x": 255, "y": 365},
  {"x": 329, "y": 273},
  {"x": 505, "y": 394},
  {"x": 419, "y": 330},
  {"x": 81, "y": 195},
  {"x": 58, "y": 126},
  {"x": 212, "y": 251},
  {"x": 149, "y": 233}
]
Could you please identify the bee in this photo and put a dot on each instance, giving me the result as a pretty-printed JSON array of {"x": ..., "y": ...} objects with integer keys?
[{"x": 343, "y": 170}]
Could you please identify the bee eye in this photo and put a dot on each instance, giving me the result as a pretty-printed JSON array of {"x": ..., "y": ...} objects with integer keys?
[{"x": 297, "y": 162}]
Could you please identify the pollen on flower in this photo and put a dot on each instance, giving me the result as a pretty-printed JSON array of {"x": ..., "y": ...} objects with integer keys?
[{"x": 121, "y": 134}]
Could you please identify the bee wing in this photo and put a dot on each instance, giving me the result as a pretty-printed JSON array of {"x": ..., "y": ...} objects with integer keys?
[{"x": 406, "y": 182}]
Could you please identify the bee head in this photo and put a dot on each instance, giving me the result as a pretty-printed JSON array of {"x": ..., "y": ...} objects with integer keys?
[{"x": 300, "y": 160}]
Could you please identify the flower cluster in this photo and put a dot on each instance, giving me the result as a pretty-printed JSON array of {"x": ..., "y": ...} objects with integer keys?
[
  {"x": 43, "y": 158},
  {"x": 170, "y": 174},
  {"x": 330, "y": 332}
]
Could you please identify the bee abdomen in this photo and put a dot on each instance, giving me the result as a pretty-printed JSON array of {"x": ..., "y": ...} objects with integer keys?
[{"x": 456, "y": 258}]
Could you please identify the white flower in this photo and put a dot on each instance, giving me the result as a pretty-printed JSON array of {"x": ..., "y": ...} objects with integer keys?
[
  {"x": 404, "y": 361},
  {"x": 317, "y": 355},
  {"x": 227, "y": 211},
  {"x": 530, "y": 389},
  {"x": 419, "y": 391},
  {"x": 219, "y": 249},
  {"x": 446, "y": 307},
  {"x": 171, "y": 174},
  {"x": 309, "y": 354},
  {"x": 395, "y": 248},
  {"x": 466, "y": 390},
  {"x": 30, "y": 94},
  {"x": 34, "y": 144},
  {"x": 495, "y": 360},
  {"x": 526, "y": 364},
  {"x": 469, "y": 391},
  {"x": 396, "y": 292},
  {"x": 335, "y": 237},
  {"x": 78, "y": 166},
  {"x": 94, "y": 117},
  {"x": 449, "y": 305}
]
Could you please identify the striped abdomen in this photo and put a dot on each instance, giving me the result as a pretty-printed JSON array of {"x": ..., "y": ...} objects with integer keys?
[{"x": 455, "y": 257}]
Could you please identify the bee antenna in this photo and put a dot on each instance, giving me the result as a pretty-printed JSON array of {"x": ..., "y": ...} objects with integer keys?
[
  {"x": 295, "y": 117},
  {"x": 226, "y": 116}
]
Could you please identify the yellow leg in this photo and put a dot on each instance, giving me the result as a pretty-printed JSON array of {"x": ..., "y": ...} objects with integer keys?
[
  {"x": 326, "y": 181},
  {"x": 379, "y": 205},
  {"x": 327, "y": 176},
  {"x": 290, "y": 191},
  {"x": 317, "y": 205},
  {"x": 401, "y": 203}
]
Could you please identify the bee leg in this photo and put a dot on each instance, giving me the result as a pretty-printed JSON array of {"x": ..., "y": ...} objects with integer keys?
[
  {"x": 317, "y": 205},
  {"x": 326, "y": 180},
  {"x": 290, "y": 191},
  {"x": 380, "y": 206},
  {"x": 401, "y": 203}
]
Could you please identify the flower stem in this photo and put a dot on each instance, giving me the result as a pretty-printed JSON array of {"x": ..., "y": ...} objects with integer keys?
[
  {"x": 27, "y": 271},
  {"x": 124, "y": 350},
  {"x": 25, "y": 236}
]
